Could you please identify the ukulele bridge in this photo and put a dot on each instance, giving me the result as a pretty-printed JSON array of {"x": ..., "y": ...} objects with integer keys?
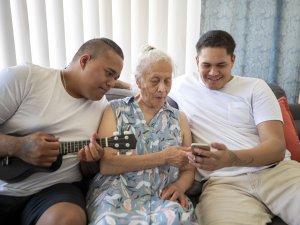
[{"x": 5, "y": 161}]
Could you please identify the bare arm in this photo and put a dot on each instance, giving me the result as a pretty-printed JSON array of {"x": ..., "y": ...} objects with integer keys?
[
  {"x": 270, "y": 150},
  {"x": 113, "y": 164},
  {"x": 9, "y": 145}
]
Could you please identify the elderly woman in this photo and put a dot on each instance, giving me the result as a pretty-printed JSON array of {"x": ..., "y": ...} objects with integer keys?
[{"x": 148, "y": 186}]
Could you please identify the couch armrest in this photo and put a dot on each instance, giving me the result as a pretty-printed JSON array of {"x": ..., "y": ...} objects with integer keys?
[
  {"x": 116, "y": 93},
  {"x": 295, "y": 110}
]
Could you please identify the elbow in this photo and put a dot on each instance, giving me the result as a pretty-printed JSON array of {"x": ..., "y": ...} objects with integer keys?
[
  {"x": 281, "y": 150},
  {"x": 281, "y": 156}
]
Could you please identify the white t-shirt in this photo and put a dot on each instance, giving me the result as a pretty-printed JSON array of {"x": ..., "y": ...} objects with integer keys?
[
  {"x": 32, "y": 98},
  {"x": 229, "y": 115}
]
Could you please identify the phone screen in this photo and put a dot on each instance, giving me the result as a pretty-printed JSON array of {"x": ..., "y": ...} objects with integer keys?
[{"x": 201, "y": 146}]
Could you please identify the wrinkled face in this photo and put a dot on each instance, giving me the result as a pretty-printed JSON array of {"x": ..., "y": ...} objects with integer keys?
[
  {"x": 155, "y": 84},
  {"x": 214, "y": 65},
  {"x": 99, "y": 74}
]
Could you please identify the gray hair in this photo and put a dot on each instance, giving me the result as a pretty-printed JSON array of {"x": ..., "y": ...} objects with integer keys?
[{"x": 148, "y": 56}]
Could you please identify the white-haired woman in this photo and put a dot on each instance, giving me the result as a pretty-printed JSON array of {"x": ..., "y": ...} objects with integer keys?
[{"x": 148, "y": 186}]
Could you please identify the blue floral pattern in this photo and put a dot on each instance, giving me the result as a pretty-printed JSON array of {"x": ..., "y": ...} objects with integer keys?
[{"x": 134, "y": 197}]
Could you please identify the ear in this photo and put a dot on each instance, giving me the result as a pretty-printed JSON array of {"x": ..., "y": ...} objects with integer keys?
[
  {"x": 138, "y": 82},
  {"x": 83, "y": 60},
  {"x": 197, "y": 60},
  {"x": 233, "y": 58}
]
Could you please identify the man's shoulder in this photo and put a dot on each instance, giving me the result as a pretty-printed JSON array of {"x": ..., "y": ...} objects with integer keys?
[
  {"x": 185, "y": 80},
  {"x": 26, "y": 67},
  {"x": 244, "y": 81},
  {"x": 247, "y": 79},
  {"x": 186, "y": 76},
  {"x": 15, "y": 73}
]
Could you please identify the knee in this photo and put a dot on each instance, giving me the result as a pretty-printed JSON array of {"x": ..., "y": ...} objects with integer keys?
[
  {"x": 71, "y": 218},
  {"x": 63, "y": 214}
]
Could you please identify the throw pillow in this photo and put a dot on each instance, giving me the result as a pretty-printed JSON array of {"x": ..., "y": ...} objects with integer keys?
[{"x": 290, "y": 130}]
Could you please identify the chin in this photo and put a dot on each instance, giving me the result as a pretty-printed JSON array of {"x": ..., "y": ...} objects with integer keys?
[
  {"x": 161, "y": 104},
  {"x": 97, "y": 98}
]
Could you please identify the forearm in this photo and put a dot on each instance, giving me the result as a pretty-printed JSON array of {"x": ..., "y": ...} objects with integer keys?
[
  {"x": 9, "y": 145},
  {"x": 113, "y": 164},
  {"x": 186, "y": 178},
  {"x": 264, "y": 154}
]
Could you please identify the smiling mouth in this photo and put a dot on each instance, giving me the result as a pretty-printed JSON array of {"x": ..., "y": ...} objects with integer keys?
[{"x": 217, "y": 78}]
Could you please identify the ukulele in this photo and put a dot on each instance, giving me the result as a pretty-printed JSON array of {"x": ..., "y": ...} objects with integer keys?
[{"x": 13, "y": 169}]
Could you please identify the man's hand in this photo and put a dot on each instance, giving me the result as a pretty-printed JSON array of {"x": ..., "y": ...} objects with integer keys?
[
  {"x": 39, "y": 149},
  {"x": 175, "y": 156},
  {"x": 218, "y": 158},
  {"x": 174, "y": 193},
  {"x": 92, "y": 152}
]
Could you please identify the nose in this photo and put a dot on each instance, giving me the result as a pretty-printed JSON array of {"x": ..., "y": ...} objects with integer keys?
[
  {"x": 213, "y": 71},
  {"x": 162, "y": 87},
  {"x": 111, "y": 82}
]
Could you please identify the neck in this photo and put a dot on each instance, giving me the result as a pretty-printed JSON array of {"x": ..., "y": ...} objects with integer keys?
[
  {"x": 67, "y": 83},
  {"x": 148, "y": 110}
]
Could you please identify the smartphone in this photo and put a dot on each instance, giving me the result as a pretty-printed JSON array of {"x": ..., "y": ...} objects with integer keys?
[{"x": 200, "y": 145}]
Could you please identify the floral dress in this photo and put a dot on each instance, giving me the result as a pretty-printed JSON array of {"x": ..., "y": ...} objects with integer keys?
[{"x": 134, "y": 198}]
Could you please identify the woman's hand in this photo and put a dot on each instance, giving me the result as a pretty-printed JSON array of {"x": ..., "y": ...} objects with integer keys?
[
  {"x": 175, "y": 156},
  {"x": 174, "y": 193}
]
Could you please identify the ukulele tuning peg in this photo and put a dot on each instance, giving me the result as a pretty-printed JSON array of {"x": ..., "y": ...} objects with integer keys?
[{"x": 117, "y": 145}]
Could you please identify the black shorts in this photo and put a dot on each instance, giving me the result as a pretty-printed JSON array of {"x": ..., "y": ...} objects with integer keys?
[{"x": 27, "y": 210}]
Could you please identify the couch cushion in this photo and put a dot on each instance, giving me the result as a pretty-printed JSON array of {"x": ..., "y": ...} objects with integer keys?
[
  {"x": 295, "y": 110},
  {"x": 290, "y": 131}
]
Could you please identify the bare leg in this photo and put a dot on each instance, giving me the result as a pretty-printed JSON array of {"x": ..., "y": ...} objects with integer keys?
[{"x": 63, "y": 213}]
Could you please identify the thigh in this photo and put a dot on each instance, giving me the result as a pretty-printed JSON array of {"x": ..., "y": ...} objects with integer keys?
[
  {"x": 280, "y": 190},
  {"x": 52, "y": 196},
  {"x": 228, "y": 200}
]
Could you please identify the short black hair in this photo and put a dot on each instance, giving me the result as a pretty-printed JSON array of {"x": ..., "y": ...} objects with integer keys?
[
  {"x": 98, "y": 46},
  {"x": 216, "y": 38},
  {"x": 114, "y": 46}
]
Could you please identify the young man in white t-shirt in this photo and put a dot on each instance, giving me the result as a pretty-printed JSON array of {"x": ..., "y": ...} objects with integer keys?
[
  {"x": 248, "y": 172},
  {"x": 40, "y": 108}
]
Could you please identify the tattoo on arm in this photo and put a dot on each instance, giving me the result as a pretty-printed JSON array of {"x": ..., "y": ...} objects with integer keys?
[{"x": 236, "y": 161}]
